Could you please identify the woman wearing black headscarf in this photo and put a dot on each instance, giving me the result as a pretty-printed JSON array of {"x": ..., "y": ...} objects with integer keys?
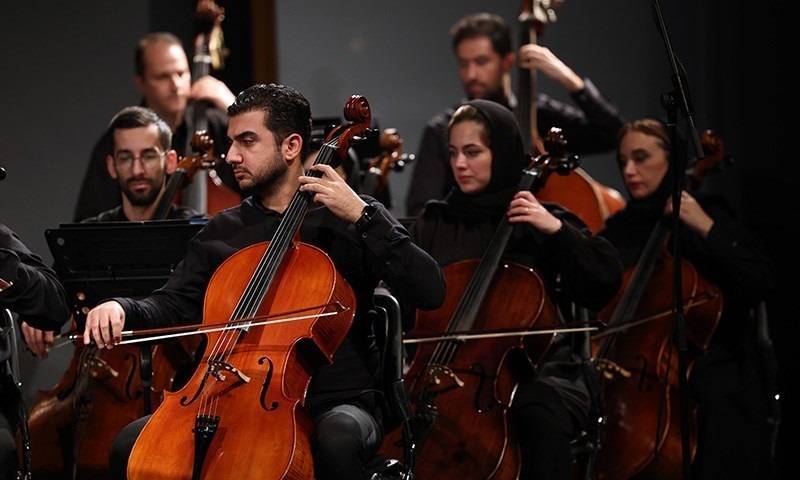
[
  {"x": 487, "y": 156},
  {"x": 732, "y": 420}
]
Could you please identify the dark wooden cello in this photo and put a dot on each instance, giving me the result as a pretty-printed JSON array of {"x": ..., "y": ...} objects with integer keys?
[
  {"x": 637, "y": 357},
  {"x": 241, "y": 414},
  {"x": 376, "y": 177},
  {"x": 461, "y": 390},
  {"x": 577, "y": 191},
  {"x": 71, "y": 426}
]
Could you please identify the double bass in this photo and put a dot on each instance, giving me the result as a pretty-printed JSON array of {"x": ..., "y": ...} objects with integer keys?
[
  {"x": 460, "y": 391},
  {"x": 577, "y": 191},
  {"x": 638, "y": 361},
  {"x": 210, "y": 195},
  {"x": 241, "y": 414}
]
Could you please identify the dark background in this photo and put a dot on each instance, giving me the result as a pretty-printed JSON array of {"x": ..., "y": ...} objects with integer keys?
[{"x": 67, "y": 68}]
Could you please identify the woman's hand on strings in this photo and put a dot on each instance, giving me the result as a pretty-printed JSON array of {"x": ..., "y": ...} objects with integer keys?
[
  {"x": 526, "y": 208},
  {"x": 692, "y": 214},
  {"x": 104, "y": 325}
]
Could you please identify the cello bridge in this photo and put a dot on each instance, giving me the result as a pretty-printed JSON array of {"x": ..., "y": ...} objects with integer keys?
[
  {"x": 610, "y": 369},
  {"x": 444, "y": 378},
  {"x": 217, "y": 369}
]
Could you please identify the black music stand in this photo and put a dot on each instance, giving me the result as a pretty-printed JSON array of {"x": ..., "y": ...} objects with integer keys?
[{"x": 96, "y": 261}]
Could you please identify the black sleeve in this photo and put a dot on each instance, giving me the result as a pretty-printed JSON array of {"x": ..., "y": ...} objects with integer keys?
[
  {"x": 432, "y": 177},
  {"x": 36, "y": 294},
  {"x": 592, "y": 127}
]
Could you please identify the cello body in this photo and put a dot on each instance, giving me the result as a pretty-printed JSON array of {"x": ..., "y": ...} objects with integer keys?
[
  {"x": 469, "y": 388},
  {"x": 254, "y": 388},
  {"x": 580, "y": 193},
  {"x": 72, "y": 425},
  {"x": 641, "y": 437}
]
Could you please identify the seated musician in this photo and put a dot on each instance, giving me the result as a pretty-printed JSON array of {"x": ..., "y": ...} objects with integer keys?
[
  {"x": 269, "y": 127},
  {"x": 487, "y": 159},
  {"x": 29, "y": 288},
  {"x": 732, "y": 421},
  {"x": 140, "y": 161}
]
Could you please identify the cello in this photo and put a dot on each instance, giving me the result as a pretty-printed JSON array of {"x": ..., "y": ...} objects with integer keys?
[
  {"x": 251, "y": 384},
  {"x": 635, "y": 354},
  {"x": 375, "y": 178},
  {"x": 71, "y": 426},
  {"x": 577, "y": 191},
  {"x": 460, "y": 391}
]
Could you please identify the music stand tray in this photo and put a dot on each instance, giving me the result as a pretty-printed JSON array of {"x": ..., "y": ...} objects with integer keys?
[{"x": 96, "y": 261}]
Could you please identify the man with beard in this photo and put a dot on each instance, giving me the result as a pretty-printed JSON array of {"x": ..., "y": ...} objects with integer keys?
[
  {"x": 140, "y": 161},
  {"x": 163, "y": 77},
  {"x": 484, "y": 53}
]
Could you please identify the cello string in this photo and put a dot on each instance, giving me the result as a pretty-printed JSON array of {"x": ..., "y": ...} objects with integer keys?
[
  {"x": 706, "y": 297},
  {"x": 224, "y": 328},
  {"x": 476, "y": 336},
  {"x": 258, "y": 285}
]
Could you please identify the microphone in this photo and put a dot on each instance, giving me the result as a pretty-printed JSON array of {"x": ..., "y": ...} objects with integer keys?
[{"x": 2, "y": 173}]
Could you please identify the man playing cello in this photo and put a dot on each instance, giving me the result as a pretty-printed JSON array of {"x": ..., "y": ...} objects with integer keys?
[{"x": 269, "y": 128}]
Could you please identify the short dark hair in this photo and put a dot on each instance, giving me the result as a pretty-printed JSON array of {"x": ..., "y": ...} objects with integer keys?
[
  {"x": 286, "y": 111},
  {"x": 136, "y": 116},
  {"x": 151, "y": 38},
  {"x": 483, "y": 25}
]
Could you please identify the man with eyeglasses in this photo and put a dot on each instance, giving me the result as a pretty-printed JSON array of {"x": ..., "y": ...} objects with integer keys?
[
  {"x": 140, "y": 161},
  {"x": 162, "y": 76}
]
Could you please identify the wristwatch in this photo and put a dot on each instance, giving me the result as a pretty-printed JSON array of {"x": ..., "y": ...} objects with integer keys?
[{"x": 366, "y": 214}]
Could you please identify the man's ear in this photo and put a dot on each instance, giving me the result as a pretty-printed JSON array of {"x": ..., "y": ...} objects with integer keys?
[
  {"x": 112, "y": 172},
  {"x": 172, "y": 162},
  {"x": 292, "y": 147}
]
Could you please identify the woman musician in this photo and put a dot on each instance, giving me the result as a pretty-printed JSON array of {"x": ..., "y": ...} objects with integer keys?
[
  {"x": 551, "y": 402},
  {"x": 732, "y": 426}
]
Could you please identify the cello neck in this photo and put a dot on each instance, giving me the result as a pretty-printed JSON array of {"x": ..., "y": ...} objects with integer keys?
[
  {"x": 175, "y": 182},
  {"x": 358, "y": 114}
]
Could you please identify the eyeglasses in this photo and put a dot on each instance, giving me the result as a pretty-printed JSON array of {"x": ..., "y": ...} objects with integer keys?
[{"x": 149, "y": 158}]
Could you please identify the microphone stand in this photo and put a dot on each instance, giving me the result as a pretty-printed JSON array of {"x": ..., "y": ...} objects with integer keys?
[{"x": 673, "y": 101}]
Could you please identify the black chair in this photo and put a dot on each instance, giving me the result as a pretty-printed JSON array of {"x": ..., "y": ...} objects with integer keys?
[
  {"x": 9, "y": 370},
  {"x": 586, "y": 445},
  {"x": 389, "y": 337}
]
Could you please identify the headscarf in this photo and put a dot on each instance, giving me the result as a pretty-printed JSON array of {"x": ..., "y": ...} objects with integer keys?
[{"x": 508, "y": 161}]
